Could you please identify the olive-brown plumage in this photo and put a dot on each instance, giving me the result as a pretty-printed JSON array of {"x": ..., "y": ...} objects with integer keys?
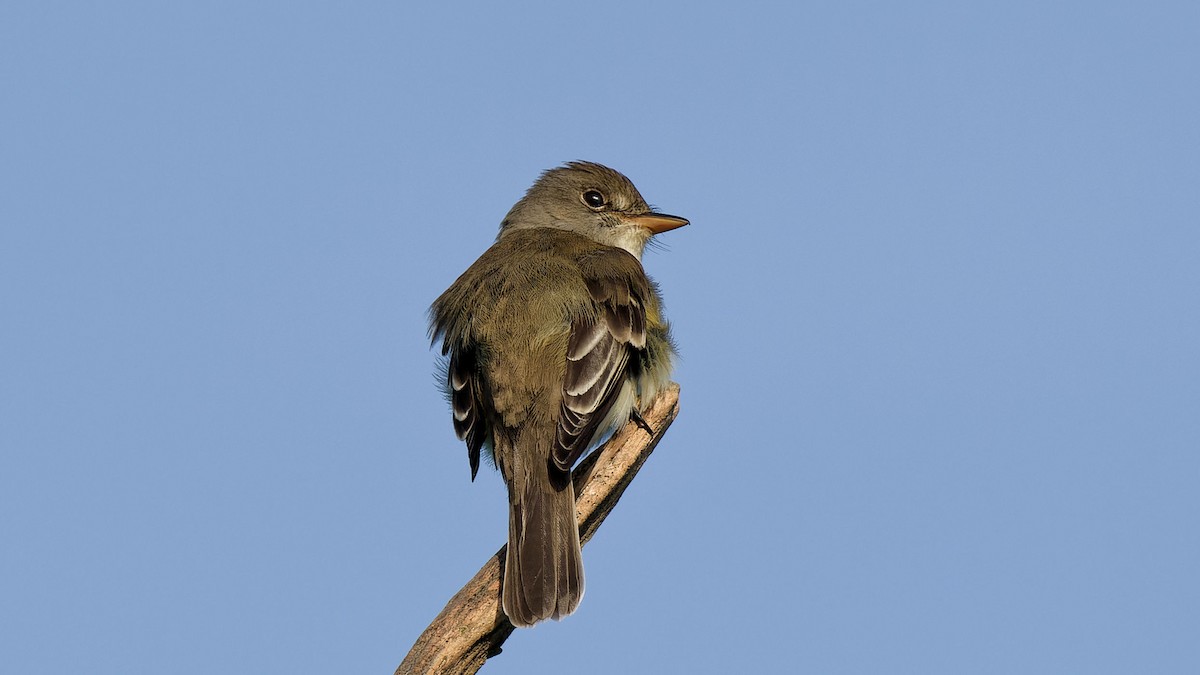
[{"x": 555, "y": 337}]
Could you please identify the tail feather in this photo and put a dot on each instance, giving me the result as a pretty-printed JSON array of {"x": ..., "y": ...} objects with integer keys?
[{"x": 543, "y": 576}]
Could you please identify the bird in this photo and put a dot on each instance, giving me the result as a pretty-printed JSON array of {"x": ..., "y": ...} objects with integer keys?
[{"x": 551, "y": 340}]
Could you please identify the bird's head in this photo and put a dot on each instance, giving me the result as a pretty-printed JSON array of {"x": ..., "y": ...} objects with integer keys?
[{"x": 594, "y": 201}]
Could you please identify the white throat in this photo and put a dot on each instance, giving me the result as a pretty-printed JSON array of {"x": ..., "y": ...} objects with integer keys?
[{"x": 632, "y": 239}]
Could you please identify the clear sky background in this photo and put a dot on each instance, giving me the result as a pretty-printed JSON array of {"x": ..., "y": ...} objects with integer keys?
[{"x": 939, "y": 310}]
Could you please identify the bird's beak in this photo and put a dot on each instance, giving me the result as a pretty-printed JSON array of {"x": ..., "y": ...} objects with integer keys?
[{"x": 657, "y": 223}]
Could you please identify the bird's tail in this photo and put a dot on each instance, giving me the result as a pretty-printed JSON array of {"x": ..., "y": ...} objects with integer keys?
[{"x": 543, "y": 574}]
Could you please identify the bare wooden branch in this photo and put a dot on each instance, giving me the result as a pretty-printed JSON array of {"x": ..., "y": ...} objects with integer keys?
[{"x": 472, "y": 627}]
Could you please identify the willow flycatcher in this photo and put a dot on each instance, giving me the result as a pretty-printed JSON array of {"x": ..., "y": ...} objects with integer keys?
[{"x": 555, "y": 337}]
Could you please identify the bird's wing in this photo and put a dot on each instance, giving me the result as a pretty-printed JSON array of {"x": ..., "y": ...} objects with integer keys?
[
  {"x": 452, "y": 321},
  {"x": 464, "y": 386},
  {"x": 598, "y": 352}
]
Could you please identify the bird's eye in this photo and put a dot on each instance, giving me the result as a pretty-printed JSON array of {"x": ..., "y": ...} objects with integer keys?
[{"x": 594, "y": 199}]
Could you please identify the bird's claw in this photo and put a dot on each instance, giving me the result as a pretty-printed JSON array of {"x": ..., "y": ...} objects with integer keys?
[{"x": 636, "y": 418}]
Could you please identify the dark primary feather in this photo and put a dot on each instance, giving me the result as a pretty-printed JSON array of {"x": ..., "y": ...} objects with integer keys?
[{"x": 465, "y": 397}]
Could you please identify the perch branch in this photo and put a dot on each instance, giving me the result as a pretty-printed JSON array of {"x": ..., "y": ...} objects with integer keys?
[{"x": 472, "y": 627}]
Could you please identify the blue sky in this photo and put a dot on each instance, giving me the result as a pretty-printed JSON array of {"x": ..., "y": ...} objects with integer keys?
[{"x": 939, "y": 309}]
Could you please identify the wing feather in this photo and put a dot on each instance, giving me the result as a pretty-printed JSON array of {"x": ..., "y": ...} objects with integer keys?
[
  {"x": 465, "y": 398},
  {"x": 598, "y": 356}
]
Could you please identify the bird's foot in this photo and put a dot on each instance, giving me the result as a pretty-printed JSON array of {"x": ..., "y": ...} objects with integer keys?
[{"x": 636, "y": 418}]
